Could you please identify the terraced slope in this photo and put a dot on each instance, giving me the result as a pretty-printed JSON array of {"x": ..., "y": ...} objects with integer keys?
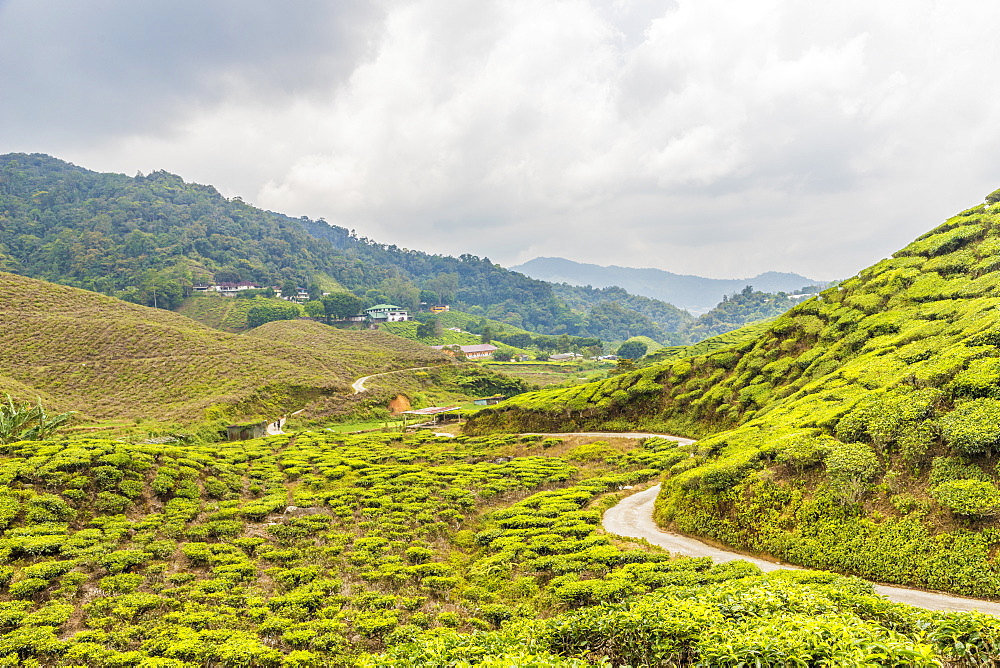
[
  {"x": 860, "y": 432},
  {"x": 109, "y": 359}
]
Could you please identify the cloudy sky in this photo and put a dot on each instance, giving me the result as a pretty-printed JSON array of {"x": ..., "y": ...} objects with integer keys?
[{"x": 716, "y": 137}]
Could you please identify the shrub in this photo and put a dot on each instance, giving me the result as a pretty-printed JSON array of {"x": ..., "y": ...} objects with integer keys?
[
  {"x": 947, "y": 469},
  {"x": 973, "y": 427},
  {"x": 123, "y": 583},
  {"x": 851, "y": 467},
  {"x": 28, "y": 588},
  {"x": 804, "y": 451},
  {"x": 975, "y": 498}
]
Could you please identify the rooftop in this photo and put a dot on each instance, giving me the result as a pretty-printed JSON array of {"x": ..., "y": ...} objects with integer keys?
[{"x": 432, "y": 410}]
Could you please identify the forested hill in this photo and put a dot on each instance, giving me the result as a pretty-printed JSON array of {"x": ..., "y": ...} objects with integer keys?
[
  {"x": 148, "y": 238},
  {"x": 735, "y": 311}
]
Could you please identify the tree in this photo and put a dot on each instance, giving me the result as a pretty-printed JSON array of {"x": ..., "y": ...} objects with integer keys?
[
  {"x": 428, "y": 328},
  {"x": 632, "y": 350},
  {"x": 314, "y": 308},
  {"x": 445, "y": 285},
  {"x": 271, "y": 310},
  {"x": 502, "y": 356},
  {"x": 289, "y": 288},
  {"x": 341, "y": 305},
  {"x": 401, "y": 292},
  {"x": 487, "y": 334}
]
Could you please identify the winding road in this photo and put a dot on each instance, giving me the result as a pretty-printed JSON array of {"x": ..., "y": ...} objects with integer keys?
[{"x": 633, "y": 518}]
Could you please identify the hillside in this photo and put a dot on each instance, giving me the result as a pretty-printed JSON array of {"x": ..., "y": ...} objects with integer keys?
[
  {"x": 693, "y": 293},
  {"x": 860, "y": 432},
  {"x": 149, "y": 238},
  {"x": 219, "y": 312},
  {"x": 745, "y": 334},
  {"x": 110, "y": 359},
  {"x": 392, "y": 550}
]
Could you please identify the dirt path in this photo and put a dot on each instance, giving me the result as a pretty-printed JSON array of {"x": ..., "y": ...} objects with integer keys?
[
  {"x": 633, "y": 518},
  {"x": 615, "y": 434},
  {"x": 359, "y": 385}
]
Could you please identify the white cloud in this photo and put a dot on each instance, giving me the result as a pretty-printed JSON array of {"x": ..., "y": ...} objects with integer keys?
[{"x": 701, "y": 136}]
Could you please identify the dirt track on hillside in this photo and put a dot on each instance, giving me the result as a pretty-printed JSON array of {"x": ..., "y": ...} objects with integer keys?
[{"x": 359, "y": 385}]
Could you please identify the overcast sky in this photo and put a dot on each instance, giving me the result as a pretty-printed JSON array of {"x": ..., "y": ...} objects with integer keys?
[{"x": 715, "y": 137}]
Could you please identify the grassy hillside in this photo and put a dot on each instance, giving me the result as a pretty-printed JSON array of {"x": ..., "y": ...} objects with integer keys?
[
  {"x": 382, "y": 550},
  {"x": 408, "y": 330},
  {"x": 111, "y": 359},
  {"x": 859, "y": 432},
  {"x": 358, "y": 352},
  {"x": 218, "y": 312}
]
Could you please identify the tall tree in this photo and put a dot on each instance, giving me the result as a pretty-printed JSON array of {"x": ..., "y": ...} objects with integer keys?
[{"x": 340, "y": 305}]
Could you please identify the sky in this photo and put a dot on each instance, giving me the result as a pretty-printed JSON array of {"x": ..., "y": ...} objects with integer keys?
[{"x": 709, "y": 137}]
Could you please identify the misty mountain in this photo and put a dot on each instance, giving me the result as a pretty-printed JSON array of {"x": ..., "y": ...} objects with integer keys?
[{"x": 693, "y": 293}]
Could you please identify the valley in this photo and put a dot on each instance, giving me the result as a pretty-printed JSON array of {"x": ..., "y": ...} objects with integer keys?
[{"x": 853, "y": 434}]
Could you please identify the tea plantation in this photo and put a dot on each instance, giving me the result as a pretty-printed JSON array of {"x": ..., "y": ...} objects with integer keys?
[
  {"x": 312, "y": 550},
  {"x": 859, "y": 432}
]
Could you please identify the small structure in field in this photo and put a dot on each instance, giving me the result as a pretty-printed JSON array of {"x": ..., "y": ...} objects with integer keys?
[
  {"x": 437, "y": 414},
  {"x": 440, "y": 308},
  {"x": 490, "y": 401},
  {"x": 246, "y": 431}
]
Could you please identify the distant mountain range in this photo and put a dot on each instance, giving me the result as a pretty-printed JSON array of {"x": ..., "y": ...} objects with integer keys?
[{"x": 693, "y": 293}]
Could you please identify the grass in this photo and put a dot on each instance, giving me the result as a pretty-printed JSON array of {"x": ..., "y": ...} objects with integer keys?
[
  {"x": 549, "y": 374},
  {"x": 226, "y": 313}
]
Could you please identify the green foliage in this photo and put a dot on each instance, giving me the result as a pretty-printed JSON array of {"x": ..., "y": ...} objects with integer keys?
[
  {"x": 341, "y": 304},
  {"x": 968, "y": 497},
  {"x": 631, "y": 349},
  {"x": 851, "y": 466},
  {"x": 150, "y": 238},
  {"x": 973, "y": 427},
  {"x": 271, "y": 310},
  {"x": 22, "y": 421},
  {"x": 889, "y": 378}
]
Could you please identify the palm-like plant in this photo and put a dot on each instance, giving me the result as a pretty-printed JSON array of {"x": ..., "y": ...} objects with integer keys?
[{"x": 21, "y": 421}]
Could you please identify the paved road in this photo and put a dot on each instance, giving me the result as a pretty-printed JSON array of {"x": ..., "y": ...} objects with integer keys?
[
  {"x": 359, "y": 385},
  {"x": 633, "y": 518}
]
